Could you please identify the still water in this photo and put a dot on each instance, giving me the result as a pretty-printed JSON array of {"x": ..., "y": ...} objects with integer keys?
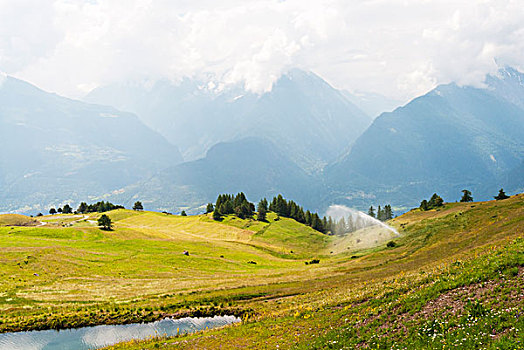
[{"x": 100, "y": 336}]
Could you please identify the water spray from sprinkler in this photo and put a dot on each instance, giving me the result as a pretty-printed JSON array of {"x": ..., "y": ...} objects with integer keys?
[{"x": 350, "y": 220}]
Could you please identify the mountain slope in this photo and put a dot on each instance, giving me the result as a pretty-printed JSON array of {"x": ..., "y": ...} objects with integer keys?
[
  {"x": 251, "y": 165},
  {"x": 447, "y": 140},
  {"x": 56, "y": 149},
  {"x": 302, "y": 114}
]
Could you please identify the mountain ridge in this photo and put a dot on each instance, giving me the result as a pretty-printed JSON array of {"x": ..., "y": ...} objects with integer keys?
[
  {"x": 450, "y": 138},
  {"x": 309, "y": 118},
  {"x": 57, "y": 149},
  {"x": 251, "y": 165}
]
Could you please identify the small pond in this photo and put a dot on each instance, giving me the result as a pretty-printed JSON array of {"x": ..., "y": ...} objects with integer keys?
[{"x": 100, "y": 336}]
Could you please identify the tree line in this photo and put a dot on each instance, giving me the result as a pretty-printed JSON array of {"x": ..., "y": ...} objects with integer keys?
[
  {"x": 382, "y": 214},
  {"x": 228, "y": 204},
  {"x": 83, "y": 208},
  {"x": 436, "y": 201},
  {"x": 290, "y": 209}
]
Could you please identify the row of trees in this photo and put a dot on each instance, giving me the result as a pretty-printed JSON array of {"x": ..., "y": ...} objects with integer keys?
[
  {"x": 84, "y": 208},
  {"x": 98, "y": 207},
  {"x": 65, "y": 210},
  {"x": 348, "y": 224},
  {"x": 290, "y": 209},
  {"x": 466, "y": 197},
  {"x": 381, "y": 214},
  {"x": 227, "y": 204},
  {"x": 436, "y": 201}
]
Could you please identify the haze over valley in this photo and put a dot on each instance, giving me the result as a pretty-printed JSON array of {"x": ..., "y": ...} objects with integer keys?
[{"x": 175, "y": 147}]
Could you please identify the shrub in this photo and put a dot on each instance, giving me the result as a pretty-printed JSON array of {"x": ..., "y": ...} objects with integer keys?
[
  {"x": 314, "y": 261},
  {"x": 391, "y": 244}
]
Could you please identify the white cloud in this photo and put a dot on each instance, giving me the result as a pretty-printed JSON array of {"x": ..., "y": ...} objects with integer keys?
[{"x": 396, "y": 48}]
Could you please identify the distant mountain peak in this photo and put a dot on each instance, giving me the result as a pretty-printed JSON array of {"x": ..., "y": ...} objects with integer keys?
[
  {"x": 56, "y": 149},
  {"x": 451, "y": 138},
  {"x": 510, "y": 72},
  {"x": 303, "y": 114}
]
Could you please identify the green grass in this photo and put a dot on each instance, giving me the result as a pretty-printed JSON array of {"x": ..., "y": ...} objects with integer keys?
[
  {"x": 466, "y": 257},
  {"x": 73, "y": 270}
]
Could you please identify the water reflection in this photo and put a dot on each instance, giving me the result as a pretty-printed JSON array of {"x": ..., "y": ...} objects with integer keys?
[{"x": 99, "y": 336}]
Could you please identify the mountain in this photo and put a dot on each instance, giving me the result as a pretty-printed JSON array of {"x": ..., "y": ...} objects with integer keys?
[
  {"x": 372, "y": 104},
  {"x": 447, "y": 140},
  {"x": 251, "y": 165},
  {"x": 55, "y": 149},
  {"x": 302, "y": 114}
]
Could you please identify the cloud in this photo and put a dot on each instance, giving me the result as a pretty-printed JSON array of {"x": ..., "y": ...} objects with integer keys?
[{"x": 396, "y": 48}]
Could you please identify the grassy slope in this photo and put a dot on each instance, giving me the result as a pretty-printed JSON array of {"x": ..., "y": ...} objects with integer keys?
[
  {"x": 71, "y": 267},
  {"x": 455, "y": 280},
  {"x": 17, "y": 220},
  {"x": 137, "y": 272}
]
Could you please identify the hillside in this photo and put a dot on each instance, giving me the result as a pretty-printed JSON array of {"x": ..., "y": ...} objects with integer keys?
[
  {"x": 462, "y": 251},
  {"x": 303, "y": 115},
  {"x": 56, "y": 149},
  {"x": 17, "y": 220},
  {"x": 253, "y": 165},
  {"x": 70, "y": 262},
  {"x": 447, "y": 140},
  {"x": 454, "y": 279}
]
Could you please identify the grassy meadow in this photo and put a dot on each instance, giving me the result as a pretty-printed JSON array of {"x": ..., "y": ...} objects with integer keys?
[{"x": 454, "y": 279}]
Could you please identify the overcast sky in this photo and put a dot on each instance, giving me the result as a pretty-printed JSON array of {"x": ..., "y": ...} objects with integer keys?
[{"x": 397, "y": 48}]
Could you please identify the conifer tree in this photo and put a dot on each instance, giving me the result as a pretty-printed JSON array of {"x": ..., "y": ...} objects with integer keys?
[
  {"x": 380, "y": 214},
  {"x": 209, "y": 208},
  {"x": 388, "y": 213},
  {"x": 331, "y": 225},
  {"x": 216, "y": 214},
  {"x": 435, "y": 201},
  {"x": 228, "y": 207},
  {"x": 105, "y": 222},
  {"x": 316, "y": 223},
  {"x": 358, "y": 223},
  {"x": 371, "y": 212},
  {"x": 308, "y": 218},
  {"x": 246, "y": 210},
  {"x": 502, "y": 195},
  {"x": 67, "y": 209},
  {"x": 264, "y": 204},
  {"x": 82, "y": 208},
  {"x": 273, "y": 205},
  {"x": 261, "y": 210},
  {"x": 466, "y": 197},
  {"x": 340, "y": 227},
  {"x": 301, "y": 216},
  {"x": 218, "y": 202}
]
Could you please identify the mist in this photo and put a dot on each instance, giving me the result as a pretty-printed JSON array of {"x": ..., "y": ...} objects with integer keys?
[
  {"x": 358, "y": 219},
  {"x": 356, "y": 230}
]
